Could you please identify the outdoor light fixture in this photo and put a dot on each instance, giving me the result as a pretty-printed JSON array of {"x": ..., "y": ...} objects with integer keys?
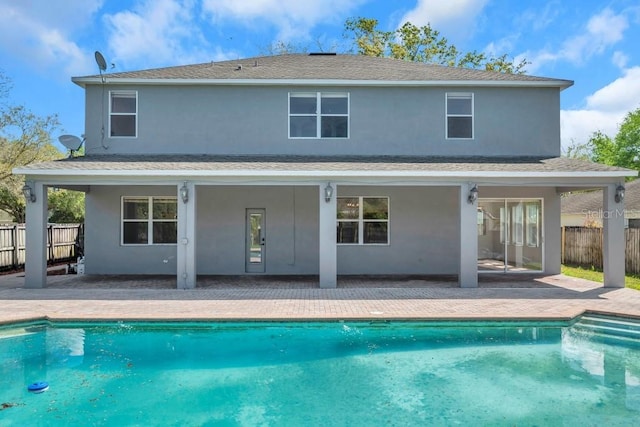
[
  {"x": 184, "y": 192},
  {"x": 29, "y": 194},
  {"x": 328, "y": 192},
  {"x": 473, "y": 194},
  {"x": 619, "y": 197}
]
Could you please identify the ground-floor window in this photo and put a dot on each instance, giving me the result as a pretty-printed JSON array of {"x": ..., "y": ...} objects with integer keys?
[
  {"x": 149, "y": 220},
  {"x": 510, "y": 235},
  {"x": 363, "y": 220}
]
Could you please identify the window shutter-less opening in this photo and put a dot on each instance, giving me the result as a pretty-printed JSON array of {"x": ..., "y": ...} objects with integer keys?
[
  {"x": 123, "y": 114},
  {"x": 149, "y": 220},
  {"x": 317, "y": 115},
  {"x": 363, "y": 220},
  {"x": 459, "y": 116}
]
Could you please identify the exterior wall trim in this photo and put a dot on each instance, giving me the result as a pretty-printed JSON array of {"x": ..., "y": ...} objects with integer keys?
[
  {"x": 319, "y": 173},
  {"x": 84, "y": 81}
]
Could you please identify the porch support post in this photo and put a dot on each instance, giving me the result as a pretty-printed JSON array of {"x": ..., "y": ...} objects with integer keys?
[
  {"x": 35, "y": 269},
  {"x": 468, "y": 272},
  {"x": 186, "y": 248},
  {"x": 328, "y": 268},
  {"x": 613, "y": 241}
]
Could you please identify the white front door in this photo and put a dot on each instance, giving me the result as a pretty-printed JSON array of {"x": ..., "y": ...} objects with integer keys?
[{"x": 255, "y": 241}]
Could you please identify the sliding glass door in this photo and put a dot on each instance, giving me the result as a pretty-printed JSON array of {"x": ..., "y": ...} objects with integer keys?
[{"x": 509, "y": 235}]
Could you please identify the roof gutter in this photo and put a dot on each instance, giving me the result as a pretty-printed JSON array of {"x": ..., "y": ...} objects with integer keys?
[
  {"x": 85, "y": 81},
  {"x": 110, "y": 173}
]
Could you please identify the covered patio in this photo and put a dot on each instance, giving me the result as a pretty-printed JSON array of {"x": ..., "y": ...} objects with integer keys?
[{"x": 438, "y": 213}]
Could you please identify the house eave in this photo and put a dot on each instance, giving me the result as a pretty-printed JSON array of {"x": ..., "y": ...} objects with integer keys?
[
  {"x": 84, "y": 81},
  {"x": 320, "y": 173}
]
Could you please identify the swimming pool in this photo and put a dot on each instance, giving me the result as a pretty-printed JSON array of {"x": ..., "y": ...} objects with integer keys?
[{"x": 330, "y": 374}]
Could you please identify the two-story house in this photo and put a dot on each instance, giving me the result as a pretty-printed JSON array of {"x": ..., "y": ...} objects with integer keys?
[{"x": 324, "y": 165}]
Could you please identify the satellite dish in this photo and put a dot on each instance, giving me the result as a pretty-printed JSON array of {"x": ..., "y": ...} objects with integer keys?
[
  {"x": 102, "y": 64},
  {"x": 72, "y": 142}
]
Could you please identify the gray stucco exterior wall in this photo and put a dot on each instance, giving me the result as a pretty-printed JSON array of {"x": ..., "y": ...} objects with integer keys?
[
  {"x": 103, "y": 252},
  {"x": 513, "y": 121},
  {"x": 291, "y": 228},
  {"x": 423, "y": 232}
]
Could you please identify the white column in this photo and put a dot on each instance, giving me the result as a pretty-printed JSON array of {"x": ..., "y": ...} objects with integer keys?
[
  {"x": 186, "y": 248},
  {"x": 613, "y": 242},
  {"x": 468, "y": 272},
  {"x": 35, "y": 269},
  {"x": 327, "y": 238}
]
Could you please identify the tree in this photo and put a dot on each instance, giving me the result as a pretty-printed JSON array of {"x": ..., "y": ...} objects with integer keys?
[
  {"x": 24, "y": 138},
  {"x": 66, "y": 206},
  {"x": 627, "y": 141},
  {"x": 421, "y": 44},
  {"x": 577, "y": 151},
  {"x": 622, "y": 150}
]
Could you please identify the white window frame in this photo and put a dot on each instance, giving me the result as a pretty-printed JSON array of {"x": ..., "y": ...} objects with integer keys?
[
  {"x": 123, "y": 93},
  {"x": 503, "y": 224},
  {"x": 518, "y": 224},
  {"x": 150, "y": 220},
  {"x": 532, "y": 229},
  {"x": 466, "y": 95},
  {"x": 361, "y": 221},
  {"x": 318, "y": 114}
]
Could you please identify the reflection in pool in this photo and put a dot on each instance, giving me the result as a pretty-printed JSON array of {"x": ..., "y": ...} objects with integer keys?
[{"x": 338, "y": 373}]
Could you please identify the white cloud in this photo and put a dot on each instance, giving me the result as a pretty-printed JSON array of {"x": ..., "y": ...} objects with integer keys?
[
  {"x": 620, "y": 95},
  {"x": 453, "y": 18},
  {"x": 602, "y": 31},
  {"x": 292, "y": 18},
  {"x": 505, "y": 44},
  {"x": 539, "y": 19},
  {"x": 619, "y": 59},
  {"x": 40, "y": 35},
  {"x": 155, "y": 33},
  {"x": 604, "y": 111}
]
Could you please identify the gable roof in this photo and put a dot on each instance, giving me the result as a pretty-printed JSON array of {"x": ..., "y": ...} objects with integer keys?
[
  {"x": 591, "y": 201},
  {"x": 329, "y": 68}
]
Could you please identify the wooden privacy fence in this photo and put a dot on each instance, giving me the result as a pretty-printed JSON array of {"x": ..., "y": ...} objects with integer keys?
[
  {"x": 63, "y": 241},
  {"x": 583, "y": 246}
]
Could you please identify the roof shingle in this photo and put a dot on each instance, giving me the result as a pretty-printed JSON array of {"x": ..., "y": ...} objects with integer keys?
[
  {"x": 591, "y": 201},
  {"x": 321, "y": 67},
  {"x": 180, "y": 162}
]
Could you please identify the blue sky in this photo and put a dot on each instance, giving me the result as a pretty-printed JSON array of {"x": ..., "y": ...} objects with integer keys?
[{"x": 43, "y": 43}]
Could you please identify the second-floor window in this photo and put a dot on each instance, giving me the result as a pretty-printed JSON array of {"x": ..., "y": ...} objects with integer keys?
[
  {"x": 459, "y": 116},
  {"x": 123, "y": 114},
  {"x": 318, "y": 115}
]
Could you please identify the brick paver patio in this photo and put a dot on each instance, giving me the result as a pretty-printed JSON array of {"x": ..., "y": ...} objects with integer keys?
[{"x": 70, "y": 297}]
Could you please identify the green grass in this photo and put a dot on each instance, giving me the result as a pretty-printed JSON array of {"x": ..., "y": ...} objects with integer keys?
[{"x": 631, "y": 281}]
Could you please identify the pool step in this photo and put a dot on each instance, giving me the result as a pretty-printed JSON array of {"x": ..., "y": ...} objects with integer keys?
[
  {"x": 13, "y": 333},
  {"x": 608, "y": 328}
]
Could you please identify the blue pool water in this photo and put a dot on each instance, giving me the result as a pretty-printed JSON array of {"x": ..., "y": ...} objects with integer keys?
[{"x": 322, "y": 374}]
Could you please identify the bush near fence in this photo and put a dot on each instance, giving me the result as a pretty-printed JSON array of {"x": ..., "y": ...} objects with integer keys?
[
  {"x": 582, "y": 246},
  {"x": 64, "y": 243}
]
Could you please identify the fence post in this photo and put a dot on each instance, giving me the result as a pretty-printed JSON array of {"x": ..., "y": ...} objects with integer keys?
[{"x": 14, "y": 243}]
